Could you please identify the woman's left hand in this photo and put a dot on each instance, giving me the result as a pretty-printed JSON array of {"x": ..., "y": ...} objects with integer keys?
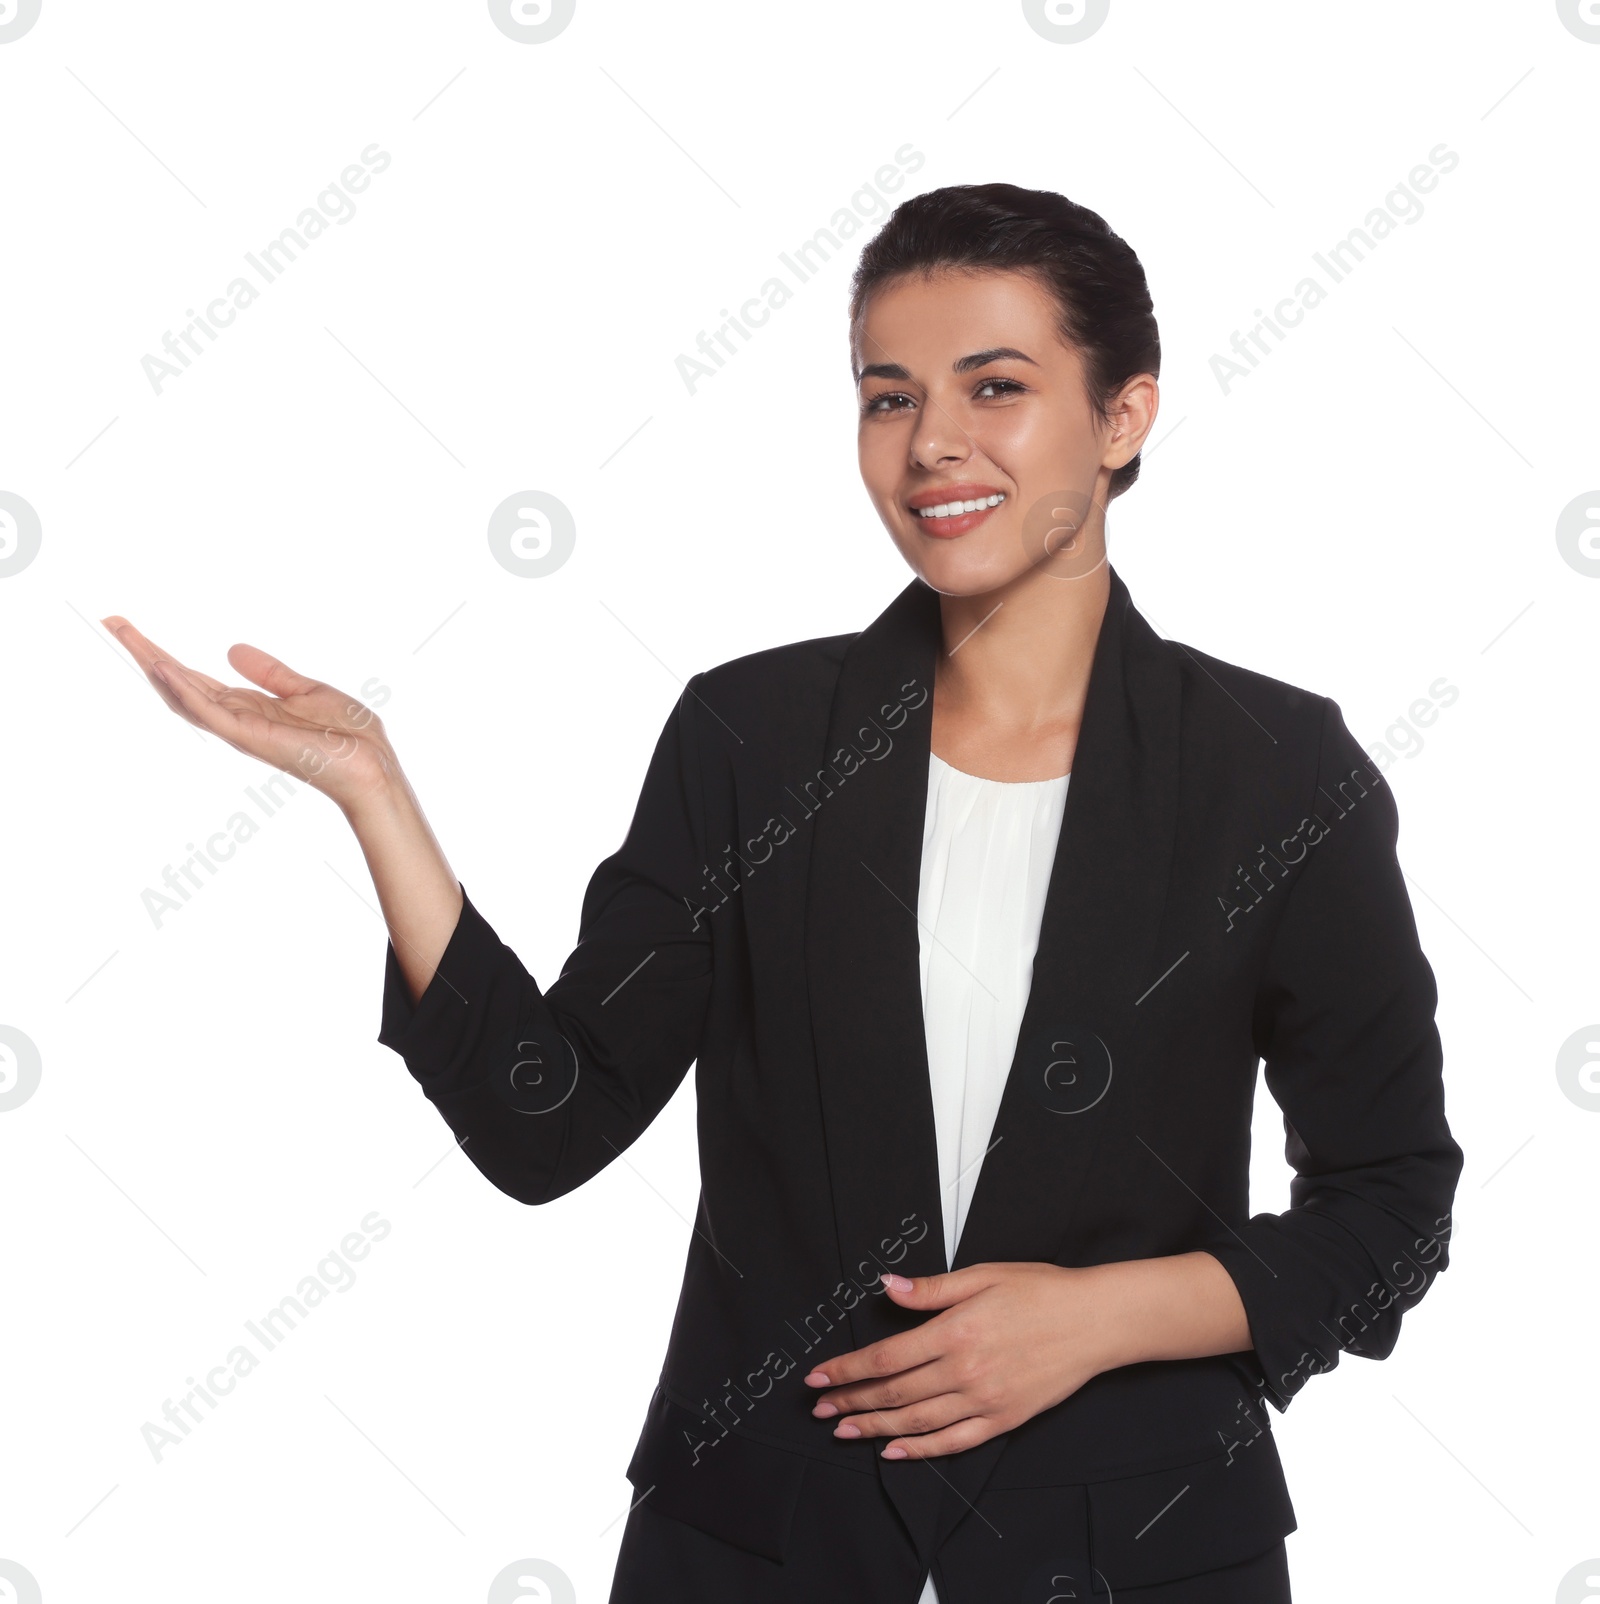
[{"x": 1011, "y": 1340}]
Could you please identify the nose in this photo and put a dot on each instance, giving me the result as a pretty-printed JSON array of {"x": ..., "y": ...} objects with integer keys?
[{"x": 938, "y": 440}]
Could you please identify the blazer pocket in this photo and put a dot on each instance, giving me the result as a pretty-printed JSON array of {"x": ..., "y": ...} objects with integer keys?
[
  {"x": 1198, "y": 1517},
  {"x": 729, "y": 1486}
]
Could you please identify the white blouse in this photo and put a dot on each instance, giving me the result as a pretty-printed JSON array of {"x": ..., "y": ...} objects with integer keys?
[{"x": 987, "y": 850}]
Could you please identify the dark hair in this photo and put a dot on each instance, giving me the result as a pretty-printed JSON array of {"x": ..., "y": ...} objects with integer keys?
[{"x": 1098, "y": 282}]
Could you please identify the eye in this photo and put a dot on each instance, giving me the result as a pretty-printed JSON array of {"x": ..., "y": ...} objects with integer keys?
[
  {"x": 889, "y": 402},
  {"x": 998, "y": 387}
]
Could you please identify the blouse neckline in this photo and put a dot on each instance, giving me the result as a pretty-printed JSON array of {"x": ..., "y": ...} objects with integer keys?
[{"x": 983, "y": 779}]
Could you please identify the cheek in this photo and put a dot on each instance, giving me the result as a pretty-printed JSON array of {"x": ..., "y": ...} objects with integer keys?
[
  {"x": 1014, "y": 440},
  {"x": 881, "y": 455},
  {"x": 1036, "y": 444}
]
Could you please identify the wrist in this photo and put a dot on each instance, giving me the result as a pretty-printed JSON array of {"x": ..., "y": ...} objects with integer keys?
[
  {"x": 379, "y": 798},
  {"x": 1180, "y": 1306},
  {"x": 1117, "y": 1316}
]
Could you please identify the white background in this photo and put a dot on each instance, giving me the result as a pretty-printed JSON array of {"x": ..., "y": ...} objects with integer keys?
[{"x": 1372, "y": 508}]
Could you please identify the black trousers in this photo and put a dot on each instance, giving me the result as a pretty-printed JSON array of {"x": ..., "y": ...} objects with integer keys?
[{"x": 846, "y": 1549}]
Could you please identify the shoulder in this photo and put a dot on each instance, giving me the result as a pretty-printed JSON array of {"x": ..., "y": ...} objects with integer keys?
[
  {"x": 818, "y": 657},
  {"x": 1265, "y": 729},
  {"x": 776, "y": 690},
  {"x": 1212, "y": 684},
  {"x": 1255, "y": 719}
]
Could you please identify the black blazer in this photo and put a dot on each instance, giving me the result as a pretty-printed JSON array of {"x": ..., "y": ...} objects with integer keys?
[{"x": 1225, "y": 890}]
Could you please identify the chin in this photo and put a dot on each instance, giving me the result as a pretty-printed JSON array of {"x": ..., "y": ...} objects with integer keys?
[{"x": 954, "y": 568}]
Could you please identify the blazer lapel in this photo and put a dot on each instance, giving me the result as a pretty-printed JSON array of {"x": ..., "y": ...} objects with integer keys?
[
  {"x": 1096, "y": 956},
  {"x": 1094, "y": 960},
  {"x": 863, "y": 972}
]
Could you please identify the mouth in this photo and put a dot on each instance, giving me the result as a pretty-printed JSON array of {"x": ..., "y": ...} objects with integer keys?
[{"x": 954, "y": 509}]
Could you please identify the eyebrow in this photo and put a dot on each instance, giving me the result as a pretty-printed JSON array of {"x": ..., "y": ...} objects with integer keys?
[{"x": 965, "y": 364}]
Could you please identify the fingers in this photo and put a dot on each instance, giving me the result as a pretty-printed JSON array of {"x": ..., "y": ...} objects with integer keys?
[
  {"x": 909, "y": 1387},
  {"x": 886, "y": 1358},
  {"x": 186, "y": 695},
  {"x": 926, "y": 1415},
  {"x": 158, "y": 671},
  {"x": 939, "y": 1291},
  {"x": 259, "y": 667},
  {"x": 263, "y": 669},
  {"x": 952, "y": 1439},
  {"x": 158, "y": 675},
  {"x": 166, "y": 693},
  {"x": 147, "y": 654}
]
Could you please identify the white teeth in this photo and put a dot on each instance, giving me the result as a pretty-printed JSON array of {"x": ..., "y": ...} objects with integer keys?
[{"x": 951, "y": 509}]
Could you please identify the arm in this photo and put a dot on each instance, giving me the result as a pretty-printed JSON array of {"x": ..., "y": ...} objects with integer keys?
[
  {"x": 339, "y": 747},
  {"x": 1345, "y": 1023},
  {"x": 1344, "y": 1018},
  {"x": 1015, "y": 1338},
  {"x": 543, "y": 1089},
  {"x": 1183, "y": 1306},
  {"x": 417, "y": 889}
]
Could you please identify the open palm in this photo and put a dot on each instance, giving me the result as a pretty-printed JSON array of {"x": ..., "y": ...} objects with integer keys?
[{"x": 326, "y": 737}]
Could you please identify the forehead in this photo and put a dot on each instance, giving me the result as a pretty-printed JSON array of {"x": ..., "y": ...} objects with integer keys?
[{"x": 922, "y": 320}]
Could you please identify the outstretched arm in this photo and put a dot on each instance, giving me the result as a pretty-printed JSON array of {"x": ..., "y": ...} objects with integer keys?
[{"x": 338, "y": 746}]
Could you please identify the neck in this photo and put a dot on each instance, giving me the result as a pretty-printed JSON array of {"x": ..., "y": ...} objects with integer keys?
[{"x": 1018, "y": 658}]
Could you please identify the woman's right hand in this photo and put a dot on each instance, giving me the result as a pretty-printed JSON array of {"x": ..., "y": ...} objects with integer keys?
[{"x": 330, "y": 740}]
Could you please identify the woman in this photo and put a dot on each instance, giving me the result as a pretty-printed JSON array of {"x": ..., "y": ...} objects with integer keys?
[{"x": 975, "y": 925}]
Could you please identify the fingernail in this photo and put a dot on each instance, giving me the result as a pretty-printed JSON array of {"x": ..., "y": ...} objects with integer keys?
[
  {"x": 896, "y": 1283},
  {"x": 817, "y": 1379},
  {"x": 894, "y": 1453},
  {"x": 160, "y": 672},
  {"x": 846, "y": 1430},
  {"x": 825, "y": 1410}
]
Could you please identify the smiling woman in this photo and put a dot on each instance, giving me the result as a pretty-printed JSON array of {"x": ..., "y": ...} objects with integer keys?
[
  {"x": 1006, "y": 355},
  {"x": 982, "y": 986}
]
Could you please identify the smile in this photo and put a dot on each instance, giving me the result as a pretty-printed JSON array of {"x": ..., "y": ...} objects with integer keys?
[
  {"x": 956, "y": 515},
  {"x": 950, "y": 509}
]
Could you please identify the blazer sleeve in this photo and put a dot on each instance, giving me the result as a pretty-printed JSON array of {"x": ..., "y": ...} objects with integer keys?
[
  {"x": 544, "y": 1088},
  {"x": 1344, "y": 1019}
]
